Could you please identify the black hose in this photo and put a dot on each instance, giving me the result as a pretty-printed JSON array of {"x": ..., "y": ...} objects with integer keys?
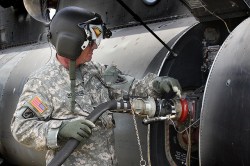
[{"x": 70, "y": 146}]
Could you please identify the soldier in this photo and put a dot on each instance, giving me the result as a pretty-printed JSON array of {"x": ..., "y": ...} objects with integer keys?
[{"x": 45, "y": 118}]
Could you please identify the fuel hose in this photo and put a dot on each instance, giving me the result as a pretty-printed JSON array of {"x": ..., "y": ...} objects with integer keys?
[{"x": 71, "y": 144}]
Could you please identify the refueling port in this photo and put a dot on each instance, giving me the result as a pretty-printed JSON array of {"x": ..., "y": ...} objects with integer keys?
[
  {"x": 183, "y": 114},
  {"x": 179, "y": 110}
]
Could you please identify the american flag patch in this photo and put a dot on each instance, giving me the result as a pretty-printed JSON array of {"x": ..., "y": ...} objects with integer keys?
[{"x": 38, "y": 105}]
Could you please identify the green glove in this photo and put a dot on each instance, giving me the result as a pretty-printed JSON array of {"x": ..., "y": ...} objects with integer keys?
[
  {"x": 78, "y": 129},
  {"x": 166, "y": 84}
]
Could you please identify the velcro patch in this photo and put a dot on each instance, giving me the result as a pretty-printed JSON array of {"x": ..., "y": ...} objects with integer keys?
[
  {"x": 37, "y": 103},
  {"x": 28, "y": 113}
]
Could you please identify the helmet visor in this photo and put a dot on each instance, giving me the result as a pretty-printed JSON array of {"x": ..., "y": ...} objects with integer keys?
[{"x": 94, "y": 34}]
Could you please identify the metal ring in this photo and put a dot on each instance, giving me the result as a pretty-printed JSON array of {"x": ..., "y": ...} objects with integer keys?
[
  {"x": 118, "y": 105},
  {"x": 125, "y": 105},
  {"x": 143, "y": 163}
]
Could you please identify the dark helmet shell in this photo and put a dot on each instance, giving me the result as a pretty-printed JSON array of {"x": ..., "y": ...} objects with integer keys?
[{"x": 65, "y": 34}]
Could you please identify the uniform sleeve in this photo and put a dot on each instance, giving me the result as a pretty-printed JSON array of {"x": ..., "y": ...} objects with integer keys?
[
  {"x": 123, "y": 84},
  {"x": 31, "y": 124},
  {"x": 144, "y": 87}
]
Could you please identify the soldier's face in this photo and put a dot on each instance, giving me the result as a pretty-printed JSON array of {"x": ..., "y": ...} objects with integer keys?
[{"x": 86, "y": 54}]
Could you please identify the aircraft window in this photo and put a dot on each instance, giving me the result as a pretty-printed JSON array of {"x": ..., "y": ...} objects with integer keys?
[{"x": 150, "y": 2}]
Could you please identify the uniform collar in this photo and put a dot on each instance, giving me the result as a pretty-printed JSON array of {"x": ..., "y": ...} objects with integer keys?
[
  {"x": 87, "y": 71},
  {"x": 65, "y": 72}
]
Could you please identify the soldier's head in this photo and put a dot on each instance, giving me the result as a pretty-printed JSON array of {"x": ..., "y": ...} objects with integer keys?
[{"x": 75, "y": 32}]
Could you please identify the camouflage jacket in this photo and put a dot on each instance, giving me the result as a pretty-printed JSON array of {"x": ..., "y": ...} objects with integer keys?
[{"x": 45, "y": 103}]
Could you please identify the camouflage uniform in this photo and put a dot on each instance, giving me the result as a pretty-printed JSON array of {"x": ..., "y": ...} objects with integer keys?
[{"x": 38, "y": 128}]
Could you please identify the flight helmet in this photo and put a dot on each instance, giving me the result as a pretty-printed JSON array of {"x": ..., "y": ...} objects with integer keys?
[{"x": 73, "y": 28}]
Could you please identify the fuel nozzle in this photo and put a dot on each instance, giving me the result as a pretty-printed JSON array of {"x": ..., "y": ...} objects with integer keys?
[
  {"x": 159, "y": 110},
  {"x": 144, "y": 107},
  {"x": 175, "y": 109},
  {"x": 165, "y": 109}
]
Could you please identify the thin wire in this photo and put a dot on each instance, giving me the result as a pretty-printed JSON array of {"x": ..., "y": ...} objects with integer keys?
[
  {"x": 50, "y": 46},
  {"x": 189, "y": 138},
  {"x": 185, "y": 128},
  {"x": 50, "y": 51},
  {"x": 215, "y": 16},
  {"x": 189, "y": 145},
  {"x": 148, "y": 145}
]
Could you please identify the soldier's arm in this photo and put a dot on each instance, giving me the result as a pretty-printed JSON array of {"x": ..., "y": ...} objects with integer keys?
[
  {"x": 124, "y": 84},
  {"x": 144, "y": 87},
  {"x": 150, "y": 85},
  {"x": 155, "y": 86},
  {"x": 31, "y": 124}
]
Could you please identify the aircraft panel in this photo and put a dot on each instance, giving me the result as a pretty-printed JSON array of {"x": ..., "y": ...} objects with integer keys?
[
  {"x": 23, "y": 61},
  {"x": 123, "y": 49}
]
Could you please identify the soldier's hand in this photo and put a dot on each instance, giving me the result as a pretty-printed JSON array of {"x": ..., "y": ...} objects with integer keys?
[
  {"x": 78, "y": 129},
  {"x": 166, "y": 84}
]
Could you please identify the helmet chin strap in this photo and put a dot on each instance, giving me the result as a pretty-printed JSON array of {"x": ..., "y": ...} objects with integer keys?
[{"x": 72, "y": 75}]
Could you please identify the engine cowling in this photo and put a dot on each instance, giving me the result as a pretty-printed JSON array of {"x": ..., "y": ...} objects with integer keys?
[{"x": 224, "y": 127}]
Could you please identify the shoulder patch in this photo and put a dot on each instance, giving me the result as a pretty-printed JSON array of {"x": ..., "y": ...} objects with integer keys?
[
  {"x": 28, "y": 113},
  {"x": 37, "y": 103}
]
